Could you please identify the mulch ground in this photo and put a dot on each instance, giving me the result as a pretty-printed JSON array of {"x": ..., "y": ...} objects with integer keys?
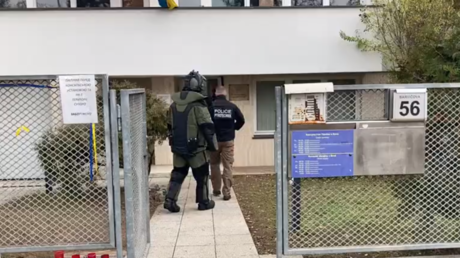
[
  {"x": 44, "y": 210},
  {"x": 257, "y": 197}
]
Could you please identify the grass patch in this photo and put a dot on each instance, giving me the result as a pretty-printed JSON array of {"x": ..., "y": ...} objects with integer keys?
[{"x": 342, "y": 212}]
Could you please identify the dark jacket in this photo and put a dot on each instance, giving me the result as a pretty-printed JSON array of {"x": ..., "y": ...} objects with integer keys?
[{"x": 227, "y": 119}]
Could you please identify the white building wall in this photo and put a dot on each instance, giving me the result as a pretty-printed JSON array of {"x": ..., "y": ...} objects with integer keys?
[{"x": 158, "y": 42}]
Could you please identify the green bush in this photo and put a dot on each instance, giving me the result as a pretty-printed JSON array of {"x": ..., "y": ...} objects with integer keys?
[
  {"x": 417, "y": 39},
  {"x": 157, "y": 130},
  {"x": 63, "y": 155}
]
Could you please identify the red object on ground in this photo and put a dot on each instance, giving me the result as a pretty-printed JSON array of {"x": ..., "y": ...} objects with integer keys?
[
  {"x": 105, "y": 256},
  {"x": 92, "y": 255},
  {"x": 59, "y": 254},
  {"x": 76, "y": 256}
]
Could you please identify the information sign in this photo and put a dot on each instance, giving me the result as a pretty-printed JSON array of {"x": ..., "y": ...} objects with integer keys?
[
  {"x": 78, "y": 99},
  {"x": 325, "y": 153}
]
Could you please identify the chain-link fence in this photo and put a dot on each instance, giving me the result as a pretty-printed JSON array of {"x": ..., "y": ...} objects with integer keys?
[
  {"x": 357, "y": 105},
  {"x": 55, "y": 179},
  {"x": 133, "y": 116},
  {"x": 369, "y": 213}
]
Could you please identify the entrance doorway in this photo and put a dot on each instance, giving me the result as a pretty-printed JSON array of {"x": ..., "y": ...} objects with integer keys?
[{"x": 213, "y": 82}]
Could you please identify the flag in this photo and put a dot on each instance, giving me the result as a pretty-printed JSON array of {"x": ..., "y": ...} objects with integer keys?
[{"x": 170, "y": 4}]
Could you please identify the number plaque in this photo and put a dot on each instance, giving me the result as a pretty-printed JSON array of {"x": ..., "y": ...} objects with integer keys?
[{"x": 409, "y": 105}]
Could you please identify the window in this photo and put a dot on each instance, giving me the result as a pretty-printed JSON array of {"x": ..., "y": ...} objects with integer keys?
[
  {"x": 305, "y": 81},
  {"x": 212, "y": 85},
  {"x": 93, "y": 3},
  {"x": 133, "y": 3},
  {"x": 343, "y": 82},
  {"x": 345, "y": 2},
  {"x": 266, "y": 2},
  {"x": 266, "y": 105},
  {"x": 13, "y": 4},
  {"x": 307, "y": 2},
  {"x": 189, "y": 3},
  {"x": 225, "y": 3},
  {"x": 53, "y": 3}
]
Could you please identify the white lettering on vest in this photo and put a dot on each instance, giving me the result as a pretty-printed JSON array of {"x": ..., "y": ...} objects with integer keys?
[{"x": 222, "y": 113}]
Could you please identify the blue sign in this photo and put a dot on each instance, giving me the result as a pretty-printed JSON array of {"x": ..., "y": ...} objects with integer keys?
[{"x": 322, "y": 153}]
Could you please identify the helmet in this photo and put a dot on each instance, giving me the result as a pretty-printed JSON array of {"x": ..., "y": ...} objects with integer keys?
[{"x": 196, "y": 82}]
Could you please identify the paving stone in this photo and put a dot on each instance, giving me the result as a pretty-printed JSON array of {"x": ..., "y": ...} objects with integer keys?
[
  {"x": 164, "y": 241},
  {"x": 172, "y": 225},
  {"x": 234, "y": 222},
  {"x": 192, "y": 240},
  {"x": 190, "y": 222},
  {"x": 242, "y": 250},
  {"x": 195, "y": 252},
  {"x": 234, "y": 239},
  {"x": 200, "y": 226},
  {"x": 161, "y": 252},
  {"x": 222, "y": 231},
  {"x": 197, "y": 231}
]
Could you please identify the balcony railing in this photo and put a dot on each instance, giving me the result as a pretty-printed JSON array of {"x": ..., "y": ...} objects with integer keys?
[{"x": 181, "y": 3}]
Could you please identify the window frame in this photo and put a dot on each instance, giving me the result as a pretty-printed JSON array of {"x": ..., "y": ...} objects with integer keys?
[
  {"x": 73, "y": 4},
  {"x": 204, "y": 3},
  {"x": 208, "y": 3},
  {"x": 254, "y": 105}
]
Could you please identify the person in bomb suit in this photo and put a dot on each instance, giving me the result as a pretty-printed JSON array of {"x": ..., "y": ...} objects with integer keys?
[{"x": 191, "y": 135}]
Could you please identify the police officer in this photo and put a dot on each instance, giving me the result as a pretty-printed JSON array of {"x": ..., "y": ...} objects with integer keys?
[
  {"x": 191, "y": 134},
  {"x": 227, "y": 119}
]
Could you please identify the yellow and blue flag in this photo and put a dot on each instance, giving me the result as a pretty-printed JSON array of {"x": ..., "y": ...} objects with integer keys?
[{"x": 170, "y": 4}]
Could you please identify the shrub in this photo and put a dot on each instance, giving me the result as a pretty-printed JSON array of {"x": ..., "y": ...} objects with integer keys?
[
  {"x": 63, "y": 155},
  {"x": 157, "y": 130},
  {"x": 418, "y": 39}
]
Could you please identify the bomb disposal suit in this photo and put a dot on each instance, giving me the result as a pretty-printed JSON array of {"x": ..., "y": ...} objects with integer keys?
[{"x": 191, "y": 134}]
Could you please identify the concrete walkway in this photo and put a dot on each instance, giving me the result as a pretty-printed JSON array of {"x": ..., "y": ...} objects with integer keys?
[{"x": 218, "y": 233}]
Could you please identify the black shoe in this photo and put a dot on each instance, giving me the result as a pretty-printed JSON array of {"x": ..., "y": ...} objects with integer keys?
[
  {"x": 227, "y": 197},
  {"x": 171, "y": 206},
  {"x": 216, "y": 193},
  {"x": 206, "y": 206}
]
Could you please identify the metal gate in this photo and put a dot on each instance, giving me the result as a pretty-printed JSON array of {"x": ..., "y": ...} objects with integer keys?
[
  {"x": 133, "y": 117},
  {"x": 60, "y": 183},
  {"x": 55, "y": 180},
  {"x": 370, "y": 213}
]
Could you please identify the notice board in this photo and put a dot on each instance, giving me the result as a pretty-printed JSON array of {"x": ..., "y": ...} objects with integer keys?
[{"x": 322, "y": 153}]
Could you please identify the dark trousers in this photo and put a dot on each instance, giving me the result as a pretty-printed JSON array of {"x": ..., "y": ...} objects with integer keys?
[{"x": 201, "y": 175}]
